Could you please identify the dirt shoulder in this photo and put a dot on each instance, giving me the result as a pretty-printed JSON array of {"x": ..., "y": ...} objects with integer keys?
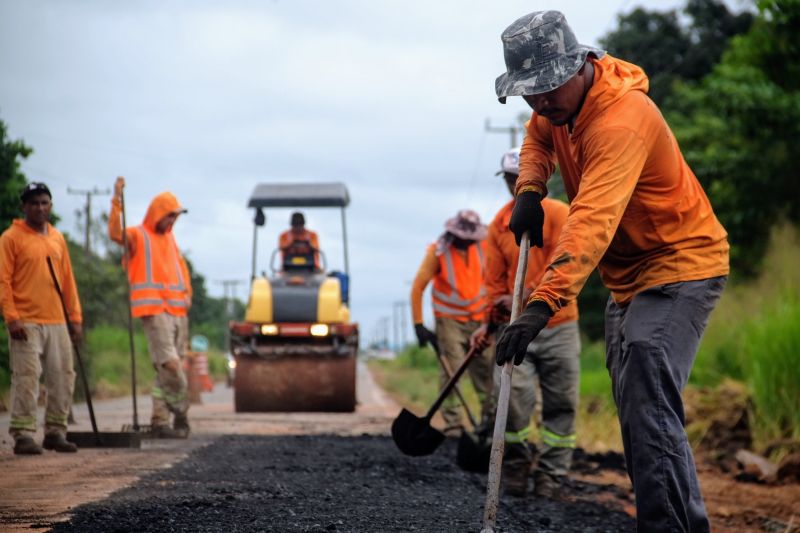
[{"x": 36, "y": 491}]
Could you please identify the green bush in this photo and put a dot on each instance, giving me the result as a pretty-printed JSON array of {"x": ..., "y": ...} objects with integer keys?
[
  {"x": 770, "y": 354},
  {"x": 753, "y": 337}
]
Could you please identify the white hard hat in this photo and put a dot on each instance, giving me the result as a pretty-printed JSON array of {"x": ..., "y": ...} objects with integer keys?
[{"x": 509, "y": 162}]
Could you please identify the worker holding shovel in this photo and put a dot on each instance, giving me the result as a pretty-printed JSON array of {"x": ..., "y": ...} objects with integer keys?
[
  {"x": 552, "y": 356},
  {"x": 160, "y": 290},
  {"x": 455, "y": 263},
  {"x": 39, "y": 338},
  {"x": 639, "y": 215}
]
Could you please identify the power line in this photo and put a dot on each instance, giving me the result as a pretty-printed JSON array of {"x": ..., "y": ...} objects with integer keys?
[{"x": 88, "y": 210}]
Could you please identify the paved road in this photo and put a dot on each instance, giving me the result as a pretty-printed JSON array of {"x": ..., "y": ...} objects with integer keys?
[{"x": 38, "y": 491}]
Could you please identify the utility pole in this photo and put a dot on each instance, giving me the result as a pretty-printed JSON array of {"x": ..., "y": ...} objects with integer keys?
[
  {"x": 399, "y": 308},
  {"x": 229, "y": 289},
  {"x": 512, "y": 130},
  {"x": 87, "y": 210},
  {"x": 395, "y": 327}
]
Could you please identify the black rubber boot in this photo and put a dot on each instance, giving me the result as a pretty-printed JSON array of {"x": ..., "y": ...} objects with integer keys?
[
  {"x": 59, "y": 443},
  {"x": 26, "y": 446}
]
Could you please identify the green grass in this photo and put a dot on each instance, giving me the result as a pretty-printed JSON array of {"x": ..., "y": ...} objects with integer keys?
[
  {"x": 108, "y": 355},
  {"x": 753, "y": 337}
]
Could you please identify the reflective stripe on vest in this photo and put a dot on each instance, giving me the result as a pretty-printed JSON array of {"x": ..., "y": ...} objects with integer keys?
[
  {"x": 150, "y": 296},
  {"x": 452, "y": 301}
]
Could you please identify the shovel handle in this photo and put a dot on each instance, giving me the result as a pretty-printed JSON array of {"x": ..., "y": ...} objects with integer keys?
[
  {"x": 132, "y": 347},
  {"x": 498, "y": 437},
  {"x": 85, "y": 381},
  {"x": 473, "y": 351}
]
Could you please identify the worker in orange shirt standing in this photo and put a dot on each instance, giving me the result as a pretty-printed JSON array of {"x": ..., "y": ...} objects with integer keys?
[
  {"x": 161, "y": 295},
  {"x": 552, "y": 356},
  {"x": 455, "y": 263},
  {"x": 296, "y": 240},
  {"x": 39, "y": 337},
  {"x": 639, "y": 215}
]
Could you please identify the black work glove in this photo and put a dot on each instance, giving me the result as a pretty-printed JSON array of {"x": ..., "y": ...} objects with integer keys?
[
  {"x": 528, "y": 215},
  {"x": 424, "y": 335},
  {"x": 517, "y": 336}
]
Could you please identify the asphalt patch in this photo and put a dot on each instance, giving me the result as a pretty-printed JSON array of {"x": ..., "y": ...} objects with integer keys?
[{"x": 323, "y": 484}]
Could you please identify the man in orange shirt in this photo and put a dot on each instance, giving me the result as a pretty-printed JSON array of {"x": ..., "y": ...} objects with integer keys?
[
  {"x": 455, "y": 263},
  {"x": 161, "y": 294},
  {"x": 639, "y": 215},
  {"x": 39, "y": 336},
  {"x": 552, "y": 356},
  {"x": 300, "y": 235}
]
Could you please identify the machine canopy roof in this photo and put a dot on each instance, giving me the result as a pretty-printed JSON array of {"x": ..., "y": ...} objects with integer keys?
[{"x": 331, "y": 194}]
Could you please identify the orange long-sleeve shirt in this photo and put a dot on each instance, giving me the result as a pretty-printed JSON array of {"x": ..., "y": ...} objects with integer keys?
[
  {"x": 502, "y": 256},
  {"x": 27, "y": 292},
  {"x": 637, "y": 212}
]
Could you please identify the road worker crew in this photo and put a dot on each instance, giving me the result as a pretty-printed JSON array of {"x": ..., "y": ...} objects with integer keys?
[
  {"x": 161, "y": 293},
  {"x": 552, "y": 356},
  {"x": 455, "y": 263},
  {"x": 639, "y": 215},
  {"x": 39, "y": 337},
  {"x": 300, "y": 237}
]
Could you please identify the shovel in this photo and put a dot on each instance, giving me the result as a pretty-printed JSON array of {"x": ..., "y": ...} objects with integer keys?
[
  {"x": 95, "y": 438},
  {"x": 414, "y": 435},
  {"x": 498, "y": 440}
]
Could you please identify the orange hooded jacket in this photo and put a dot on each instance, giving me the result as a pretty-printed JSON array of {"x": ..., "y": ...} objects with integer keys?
[
  {"x": 26, "y": 287},
  {"x": 157, "y": 272},
  {"x": 637, "y": 211},
  {"x": 502, "y": 256}
]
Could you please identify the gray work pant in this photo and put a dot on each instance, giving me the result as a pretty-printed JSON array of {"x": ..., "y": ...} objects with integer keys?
[
  {"x": 167, "y": 340},
  {"x": 650, "y": 349},
  {"x": 453, "y": 338},
  {"x": 553, "y": 357}
]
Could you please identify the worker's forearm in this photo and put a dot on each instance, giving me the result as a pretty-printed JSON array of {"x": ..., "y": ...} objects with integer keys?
[
  {"x": 537, "y": 159},
  {"x": 115, "y": 222}
]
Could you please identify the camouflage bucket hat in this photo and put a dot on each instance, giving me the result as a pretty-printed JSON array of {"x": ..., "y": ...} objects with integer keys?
[{"x": 541, "y": 54}]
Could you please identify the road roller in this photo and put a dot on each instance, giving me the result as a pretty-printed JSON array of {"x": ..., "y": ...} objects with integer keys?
[{"x": 296, "y": 348}]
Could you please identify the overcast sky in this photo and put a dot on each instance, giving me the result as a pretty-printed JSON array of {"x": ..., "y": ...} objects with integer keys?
[{"x": 207, "y": 99}]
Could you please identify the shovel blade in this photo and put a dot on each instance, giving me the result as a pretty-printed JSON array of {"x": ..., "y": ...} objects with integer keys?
[
  {"x": 474, "y": 452},
  {"x": 414, "y": 436},
  {"x": 103, "y": 439}
]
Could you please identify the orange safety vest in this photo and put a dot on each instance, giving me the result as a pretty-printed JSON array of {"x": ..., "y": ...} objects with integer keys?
[
  {"x": 458, "y": 290},
  {"x": 288, "y": 237},
  {"x": 156, "y": 276}
]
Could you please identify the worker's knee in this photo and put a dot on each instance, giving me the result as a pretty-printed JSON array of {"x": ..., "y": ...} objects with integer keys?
[{"x": 172, "y": 366}]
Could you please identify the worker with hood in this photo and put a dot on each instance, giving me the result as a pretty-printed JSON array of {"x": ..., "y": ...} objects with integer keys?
[
  {"x": 639, "y": 215},
  {"x": 455, "y": 263},
  {"x": 552, "y": 357},
  {"x": 161, "y": 293}
]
